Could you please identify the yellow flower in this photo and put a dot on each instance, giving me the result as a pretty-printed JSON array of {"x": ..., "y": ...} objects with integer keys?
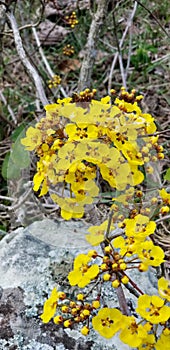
[
  {"x": 81, "y": 131},
  {"x": 82, "y": 273},
  {"x": 152, "y": 308},
  {"x": 132, "y": 333},
  {"x": 96, "y": 235},
  {"x": 148, "y": 343},
  {"x": 163, "y": 342},
  {"x": 67, "y": 156},
  {"x": 50, "y": 306},
  {"x": 164, "y": 288},
  {"x": 107, "y": 322},
  {"x": 71, "y": 207},
  {"x": 139, "y": 227},
  {"x": 126, "y": 197},
  {"x": 150, "y": 254},
  {"x": 33, "y": 139},
  {"x": 165, "y": 196}
]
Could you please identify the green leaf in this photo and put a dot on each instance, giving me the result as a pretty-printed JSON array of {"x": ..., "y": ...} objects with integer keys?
[
  {"x": 167, "y": 175},
  {"x": 16, "y": 133},
  {"x": 19, "y": 155},
  {"x": 9, "y": 169}
]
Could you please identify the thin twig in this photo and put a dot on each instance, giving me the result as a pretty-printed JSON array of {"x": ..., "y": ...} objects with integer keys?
[
  {"x": 154, "y": 17},
  {"x": 26, "y": 62},
  {"x": 3, "y": 99},
  {"x": 163, "y": 218},
  {"x": 129, "y": 53},
  {"x": 129, "y": 23},
  {"x": 49, "y": 70},
  {"x": 155, "y": 133}
]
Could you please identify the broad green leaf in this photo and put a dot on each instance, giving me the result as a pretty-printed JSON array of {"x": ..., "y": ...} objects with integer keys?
[
  {"x": 16, "y": 133},
  {"x": 167, "y": 175},
  {"x": 9, "y": 169},
  {"x": 19, "y": 155}
]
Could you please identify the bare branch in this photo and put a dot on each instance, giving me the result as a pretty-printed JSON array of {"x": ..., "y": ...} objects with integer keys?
[
  {"x": 24, "y": 59},
  {"x": 129, "y": 23},
  {"x": 48, "y": 68},
  {"x": 88, "y": 62}
]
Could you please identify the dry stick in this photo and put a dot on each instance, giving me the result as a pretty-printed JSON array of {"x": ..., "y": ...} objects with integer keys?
[
  {"x": 88, "y": 62},
  {"x": 24, "y": 59},
  {"x": 49, "y": 70},
  {"x": 129, "y": 23}
]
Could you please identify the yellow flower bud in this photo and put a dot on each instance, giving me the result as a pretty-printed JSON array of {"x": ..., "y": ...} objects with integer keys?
[
  {"x": 104, "y": 267},
  {"x": 114, "y": 266},
  {"x": 80, "y": 296},
  {"x": 61, "y": 295},
  {"x": 125, "y": 280},
  {"x": 65, "y": 308},
  {"x": 96, "y": 304},
  {"x": 77, "y": 319},
  {"x": 86, "y": 312},
  {"x": 108, "y": 249},
  {"x": 92, "y": 253},
  {"x": 154, "y": 158},
  {"x": 160, "y": 156},
  {"x": 123, "y": 266},
  {"x": 164, "y": 210},
  {"x": 106, "y": 277},
  {"x": 85, "y": 330},
  {"x": 149, "y": 169},
  {"x": 154, "y": 200},
  {"x": 145, "y": 150},
  {"x": 74, "y": 311},
  {"x": 67, "y": 323},
  {"x": 58, "y": 319},
  {"x": 115, "y": 284},
  {"x": 72, "y": 304},
  {"x": 106, "y": 258}
]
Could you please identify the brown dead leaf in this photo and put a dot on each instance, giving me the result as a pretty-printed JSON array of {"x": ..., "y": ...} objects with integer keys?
[{"x": 69, "y": 65}]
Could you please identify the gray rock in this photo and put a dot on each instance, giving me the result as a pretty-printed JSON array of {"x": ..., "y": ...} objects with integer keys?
[{"x": 33, "y": 261}]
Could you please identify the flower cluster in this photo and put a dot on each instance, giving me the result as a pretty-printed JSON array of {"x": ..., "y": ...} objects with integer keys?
[
  {"x": 140, "y": 332},
  {"x": 82, "y": 137},
  {"x": 54, "y": 82},
  {"x": 68, "y": 50},
  {"x": 72, "y": 20},
  {"x": 79, "y": 141}
]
